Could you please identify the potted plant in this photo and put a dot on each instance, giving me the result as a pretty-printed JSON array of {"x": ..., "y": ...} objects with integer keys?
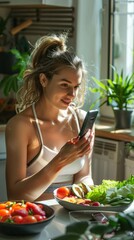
[
  {"x": 119, "y": 93},
  {"x": 119, "y": 227},
  {"x": 9, "y": 39},
  {"x": 10, "y": 84}
]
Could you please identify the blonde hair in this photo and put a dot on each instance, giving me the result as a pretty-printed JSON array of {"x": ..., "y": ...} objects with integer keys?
[{"x": 50, "y": 55}]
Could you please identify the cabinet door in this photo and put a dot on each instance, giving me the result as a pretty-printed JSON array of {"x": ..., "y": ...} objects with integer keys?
[
  {"x": 3, "y": 193},
  {"x": 62, "y": 3},
  {"x": 2, "y": 145}
]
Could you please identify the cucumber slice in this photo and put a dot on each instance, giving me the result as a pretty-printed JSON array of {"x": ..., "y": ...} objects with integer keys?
[
  {"x": 85, "y": 188},
  {"x": 77, "y": 190}
]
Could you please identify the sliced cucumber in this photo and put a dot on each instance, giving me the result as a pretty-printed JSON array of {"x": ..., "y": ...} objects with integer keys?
[
  {"x": 85, "y": 188},
  {"x": 77, "y": 190}
]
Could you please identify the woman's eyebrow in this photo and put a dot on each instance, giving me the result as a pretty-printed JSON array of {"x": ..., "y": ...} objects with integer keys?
[{"x": 65, "y": 80}]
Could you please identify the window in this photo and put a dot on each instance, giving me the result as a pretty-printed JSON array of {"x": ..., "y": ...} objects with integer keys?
[
  {"x": 117, "y": 40},
  {"x": 123, "y": 35}
]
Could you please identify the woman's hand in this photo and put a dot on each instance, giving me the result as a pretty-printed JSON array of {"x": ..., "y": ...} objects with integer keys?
[{"x": 74, "y": 149}]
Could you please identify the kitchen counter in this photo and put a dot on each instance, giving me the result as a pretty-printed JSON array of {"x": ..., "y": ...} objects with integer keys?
[
  {"x": 106, "y": 129},
  {"x": 56, "y": 227}
]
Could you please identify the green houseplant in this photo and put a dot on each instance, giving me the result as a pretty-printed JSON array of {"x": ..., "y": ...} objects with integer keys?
[
  {"x": 119, "y": 227},
  {"x": 10, "y": 84},
  {"x": 119, "y": 93}
]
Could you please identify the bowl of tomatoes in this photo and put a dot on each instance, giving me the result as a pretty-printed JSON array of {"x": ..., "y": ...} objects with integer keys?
[{"x": 24, "y": 218}]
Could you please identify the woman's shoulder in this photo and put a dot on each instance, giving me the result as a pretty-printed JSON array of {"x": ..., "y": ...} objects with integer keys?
[{"x": 20, "y": 120}]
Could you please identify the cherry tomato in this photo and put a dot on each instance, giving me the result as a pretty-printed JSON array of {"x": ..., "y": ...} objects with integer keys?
[
  {"x": 19, "y": 211},
  {"x": 63, "y": 192},
  {"x": 44, "y": 217},
  {"x": 41, "y": 206},
  {"x": 96, "y": 204},
  {"x": 89, "y": 202},
  {"x": 38, "y": 217},
  {"x": 6, "y": 218},
  {"x": 35, "y": 209},
  {"x": 18, "y": 206},
  {"x": 4, "y": 212},
  {"x": 29, "y": 219},
  {"x": 17, "y": 219},
  {"x": 2, "y": 205}
]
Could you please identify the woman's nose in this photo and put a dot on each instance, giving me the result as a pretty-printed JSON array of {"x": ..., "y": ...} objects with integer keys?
[{"x": 72, "y": 92}]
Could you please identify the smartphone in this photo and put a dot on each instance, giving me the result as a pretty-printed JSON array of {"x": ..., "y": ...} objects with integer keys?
[
  {"x": 88, "y": 122},
  {"x": 99, "y": 217}
]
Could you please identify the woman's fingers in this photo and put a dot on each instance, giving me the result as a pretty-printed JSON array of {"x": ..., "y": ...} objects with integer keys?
[{"x": 74, "y": 149}]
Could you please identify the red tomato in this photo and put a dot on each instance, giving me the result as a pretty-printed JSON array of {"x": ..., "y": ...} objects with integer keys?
[
  {"x": 96, "y": 204},
  {"x": 35, "y": 209},
  {"x": 44, "y": 217},
  {"x": 29, "y": 219},
  {"x": 19, "y": 211},
  {"x": 18, "y": 206},
  {"x": 4, "y": 212},
  {"x": 63, "y": 192},
  {"x": 41, "y": 206},
  {"x": 17, "y": 219},
  {"x": 38, "y": 217},
  {"x": 2, "y": 205},
  {"x": 6, "y": 218}
]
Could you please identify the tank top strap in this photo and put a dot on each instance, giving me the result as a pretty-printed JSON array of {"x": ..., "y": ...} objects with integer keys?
[
  {"x": 76, "y": 117},
  {"x": 37, "y": 123}
]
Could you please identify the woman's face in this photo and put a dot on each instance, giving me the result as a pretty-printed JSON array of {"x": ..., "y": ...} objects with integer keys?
[{"x": 61, "y": 90}]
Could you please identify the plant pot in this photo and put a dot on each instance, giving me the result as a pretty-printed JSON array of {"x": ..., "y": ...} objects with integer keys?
[{"x": 122, "y": 118}]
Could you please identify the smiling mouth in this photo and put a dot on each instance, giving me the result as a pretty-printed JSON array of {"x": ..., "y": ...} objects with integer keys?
[{"x": 67, "y": 102}]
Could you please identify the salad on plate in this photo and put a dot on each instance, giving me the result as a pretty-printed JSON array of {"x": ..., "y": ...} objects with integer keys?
[{"x": 110, "y": 194}]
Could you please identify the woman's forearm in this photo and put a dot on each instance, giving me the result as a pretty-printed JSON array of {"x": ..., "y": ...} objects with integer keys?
[{"x": 30, "y": 188}]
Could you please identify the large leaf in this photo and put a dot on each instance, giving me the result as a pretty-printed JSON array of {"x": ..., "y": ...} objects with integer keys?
[{"x": 119, "y": 91}]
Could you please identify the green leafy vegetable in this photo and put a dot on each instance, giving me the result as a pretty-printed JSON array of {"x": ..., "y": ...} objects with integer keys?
[
  {"x": 99, "y": 192},
  {"x": 113, "y": 192}
]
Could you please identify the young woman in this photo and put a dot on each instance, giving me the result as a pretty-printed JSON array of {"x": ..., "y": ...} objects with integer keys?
[{"x": 43, "y": 148}]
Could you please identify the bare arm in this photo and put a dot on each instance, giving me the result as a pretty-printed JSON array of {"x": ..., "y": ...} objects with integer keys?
[{"x": 19, "y": 186}]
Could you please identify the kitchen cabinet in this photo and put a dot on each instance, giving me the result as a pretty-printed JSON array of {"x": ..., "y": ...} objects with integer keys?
[
  {"x": 2, "y": 143},
  {"x": 3, "y": 194},
  {"x": 62, "y": 3}
]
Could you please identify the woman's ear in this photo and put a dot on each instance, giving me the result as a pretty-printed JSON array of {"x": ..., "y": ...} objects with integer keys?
[{"x": 43, "y": 79}]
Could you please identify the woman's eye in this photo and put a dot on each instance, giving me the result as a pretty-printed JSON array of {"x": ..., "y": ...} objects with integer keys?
[
  {"x": 64, "y": 85},
  {"x": 76, "y": 87}
]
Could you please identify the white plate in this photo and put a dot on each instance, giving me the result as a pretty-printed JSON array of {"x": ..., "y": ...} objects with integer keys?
[{"x": 74, "y": 206}]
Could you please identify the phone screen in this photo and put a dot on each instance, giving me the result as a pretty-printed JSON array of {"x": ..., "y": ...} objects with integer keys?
[{"x": 88, "y": 122}]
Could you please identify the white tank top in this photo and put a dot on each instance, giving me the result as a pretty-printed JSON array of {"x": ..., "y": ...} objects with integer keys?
[{"x": 46, "y": 155}]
